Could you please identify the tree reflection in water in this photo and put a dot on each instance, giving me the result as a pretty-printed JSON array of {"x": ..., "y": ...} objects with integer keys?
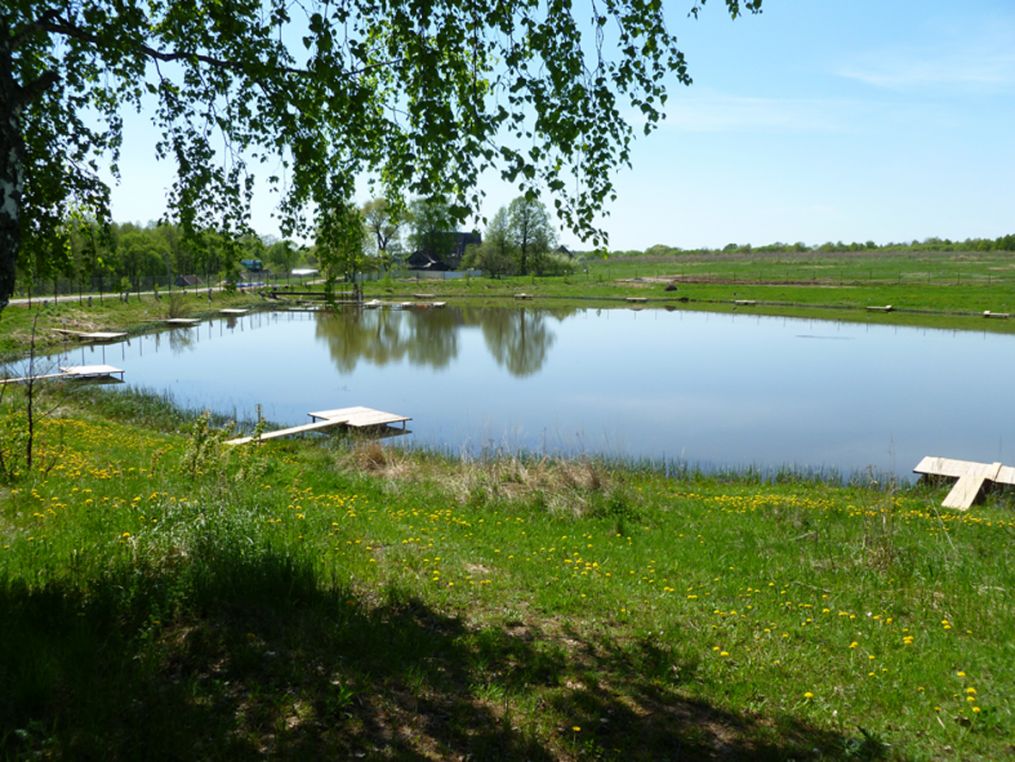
[{"x": 518, "y": 339}]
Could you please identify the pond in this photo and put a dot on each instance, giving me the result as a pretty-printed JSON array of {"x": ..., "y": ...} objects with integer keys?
[{"x": 710, "y": 390}]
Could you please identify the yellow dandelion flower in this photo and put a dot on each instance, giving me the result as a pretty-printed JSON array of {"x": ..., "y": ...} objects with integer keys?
[{"x": 808, "y": 695}]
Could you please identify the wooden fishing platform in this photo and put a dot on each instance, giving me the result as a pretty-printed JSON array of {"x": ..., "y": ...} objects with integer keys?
[
  {"x": 359, "y": 417},
  {"x": 880, "y": 308},
  {"x": 92, "y": 335},
  {"x": 421, "y": 305},
  {"x": 350, "y": 417},
  {"x": 181, "y": 321},
  {"x": 971, "y": 477},
  {"x": 998, "y": 315},
  {"x": 233, "y": 311},
  {"x": 745, "y": 302},
  {"x": 72, "y": 371}
]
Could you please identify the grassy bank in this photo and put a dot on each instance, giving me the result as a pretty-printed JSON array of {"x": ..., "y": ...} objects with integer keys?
[
  {"x": 135, "y": 315},
  {"x": 164, "y": 596},
  {"x": 936, "y": 290},
  {"x": 942, "y": 290}
]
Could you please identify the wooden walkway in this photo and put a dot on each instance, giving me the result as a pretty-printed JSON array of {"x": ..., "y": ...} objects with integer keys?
[
  {"x": 72, "y": 371},
  {"x": 92, "y": 335},
  {"x": 352, "y": 417},
  {"x": 971, "y": 477}
]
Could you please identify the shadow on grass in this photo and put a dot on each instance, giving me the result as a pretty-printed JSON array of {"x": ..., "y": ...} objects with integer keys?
[{"x": 235, "y": 653}]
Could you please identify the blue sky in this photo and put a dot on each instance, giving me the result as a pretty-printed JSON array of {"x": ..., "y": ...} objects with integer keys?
[{"x": 814, "y": 121}]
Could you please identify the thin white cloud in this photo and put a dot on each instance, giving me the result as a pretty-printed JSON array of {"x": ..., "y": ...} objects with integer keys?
[
  {"x": 977, "y": 62},
  {"x": 985, "y": 72}
]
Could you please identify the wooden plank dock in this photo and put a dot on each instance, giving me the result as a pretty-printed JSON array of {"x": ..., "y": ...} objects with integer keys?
[
  {"x": 359, "y": 417},
  {"x": 233, "y": 311},
  {"x": 972, "y": 477},
  {"x": 351, "y": 417},
  {"x": 880, "y": 308},
  {"x": 92, "y": 335},
  {"x": 181, "y": 321},
  {"x": 71, "y": 371}
]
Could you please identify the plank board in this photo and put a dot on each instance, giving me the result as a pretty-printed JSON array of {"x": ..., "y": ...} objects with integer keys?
[
  {"x": 182, "y": 321},
  {"x": 315, "y": 426},
  {"x": 359, "y": 417},
  {"x": 88, "y": 371},
  {"x": 971, "y": 478},
  {"x": 233, "y": 311},
  {"x": 356, "y": 417},
  {"x": 93, "y": 335},
  {"x": 1005, "y": 475}
]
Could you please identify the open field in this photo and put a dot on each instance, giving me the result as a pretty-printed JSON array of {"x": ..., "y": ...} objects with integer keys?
[
  {"x": 947, "y": 290},
  {"x": 166, "y": 597},
  {"x": 936, "y": 290}
]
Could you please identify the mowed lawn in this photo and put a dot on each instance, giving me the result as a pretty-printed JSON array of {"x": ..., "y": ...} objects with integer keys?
[{"x": 164, "y": 596}]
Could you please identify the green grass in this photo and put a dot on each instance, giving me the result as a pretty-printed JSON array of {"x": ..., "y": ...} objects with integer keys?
[
  {"x": 136, "y": 315},
  {"x": 948, "y": 290},
  {"x": 163, "y": 596}
]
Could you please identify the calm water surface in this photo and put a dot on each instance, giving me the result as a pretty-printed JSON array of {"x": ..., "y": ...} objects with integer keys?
[{"x": 712, "y": 390}]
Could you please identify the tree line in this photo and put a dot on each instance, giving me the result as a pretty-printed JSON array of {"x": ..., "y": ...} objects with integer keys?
[
  {"x": 377, "y": 237},
  {"x": 1001, "y": 243}
]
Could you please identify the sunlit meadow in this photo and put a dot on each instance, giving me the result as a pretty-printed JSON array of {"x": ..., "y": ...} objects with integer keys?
[{"x": 335, "y": 597}]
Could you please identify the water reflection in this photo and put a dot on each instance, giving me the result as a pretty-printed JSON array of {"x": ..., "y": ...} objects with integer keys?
[{"x": 518, "y": 339}]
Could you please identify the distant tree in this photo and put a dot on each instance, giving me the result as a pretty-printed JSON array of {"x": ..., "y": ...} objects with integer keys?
[
  {"x": 382, "y": 226},
  {"x": 497, "y": 254},
  {"x": 531, "y": 232},
  {"x": 339, "y": 245},
  {"x": 282, "y": 256}
]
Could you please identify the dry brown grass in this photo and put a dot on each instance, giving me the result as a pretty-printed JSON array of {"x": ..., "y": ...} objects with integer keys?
[{"x": 573, "y": 487}]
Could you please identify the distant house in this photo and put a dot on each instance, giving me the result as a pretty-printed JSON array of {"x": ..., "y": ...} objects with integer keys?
[
  {"x": 188, "y": 281},
  {"x": 422, "y": 259}
]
